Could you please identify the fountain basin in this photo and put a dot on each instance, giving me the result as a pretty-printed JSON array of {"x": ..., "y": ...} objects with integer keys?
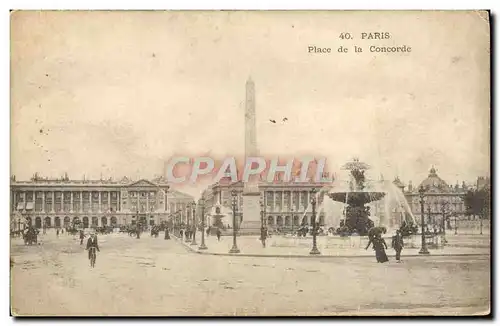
[
  {"x": 338, "y": 242},
  {"x": 356, "y": 198}
]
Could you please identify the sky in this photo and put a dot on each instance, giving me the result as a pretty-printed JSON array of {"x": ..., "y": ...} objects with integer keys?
[{"x": 120, "y": 93}]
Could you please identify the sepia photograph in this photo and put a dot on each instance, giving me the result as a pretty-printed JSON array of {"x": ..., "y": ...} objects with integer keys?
[{"x": 250, "y": 163}]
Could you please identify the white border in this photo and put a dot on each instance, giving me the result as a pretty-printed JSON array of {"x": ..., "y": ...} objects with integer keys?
[{"x": 158, "y": 5}]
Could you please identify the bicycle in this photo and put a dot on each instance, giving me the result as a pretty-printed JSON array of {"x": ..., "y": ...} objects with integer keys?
[{"x": 92, "y": 256}]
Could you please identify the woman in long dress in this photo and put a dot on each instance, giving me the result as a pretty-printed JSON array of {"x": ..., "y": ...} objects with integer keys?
[{"x": 379, "y": 246}]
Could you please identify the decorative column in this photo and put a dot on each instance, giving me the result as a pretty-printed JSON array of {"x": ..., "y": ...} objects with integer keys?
[
  {"x": 100, "y": 202},
  {"x": 53, "y": 202},
  {"x": 81, "y": 201},
  {"x": 157, "y": 200},
  {"x": 90, "y": 200},
  {"x": 282, "y": 200},
  {"x": 71, "y": 202},
  {"x": 43, "y": 201},
  {"x": 109, "y": 202}
]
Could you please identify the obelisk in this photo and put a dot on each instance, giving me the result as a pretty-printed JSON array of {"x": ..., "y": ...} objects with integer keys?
[
  {"x": 250, "y": 126},
  {"x": 251, "y": 194}
]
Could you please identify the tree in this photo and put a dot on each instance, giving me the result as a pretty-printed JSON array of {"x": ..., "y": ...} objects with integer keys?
[{"x": 478, "y": 202}]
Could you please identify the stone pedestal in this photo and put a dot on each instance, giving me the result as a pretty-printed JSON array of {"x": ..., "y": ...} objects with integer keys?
[{"x": 251, "y": 214}]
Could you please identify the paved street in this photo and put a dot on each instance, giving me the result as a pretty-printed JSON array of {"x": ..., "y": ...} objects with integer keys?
[{"x": 160, "y": 277}]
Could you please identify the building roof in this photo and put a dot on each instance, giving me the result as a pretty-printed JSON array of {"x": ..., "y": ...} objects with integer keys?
[
  {"x": 126, "y": 182},
  {"x": 433, "y": 183},
  {"x": 178, "y": 195}
]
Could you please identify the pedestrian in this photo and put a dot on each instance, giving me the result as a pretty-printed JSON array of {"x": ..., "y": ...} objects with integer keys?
[
  {"x": 167, "y": 236},
  {"x": 263, "y": 236},
  {"x": 82, "y": 236},
  {"x": 398, "y": 244},
  {"x": 182, "y": 233},
  {"x": 219, "y": 233},
  {"x": 379, "y": 246},
  {"x": 208, "y": 231},
  {"x": 57, "y": 233}
]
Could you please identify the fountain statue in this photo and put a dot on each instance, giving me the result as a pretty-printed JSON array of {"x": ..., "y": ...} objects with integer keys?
[{"x": 356, "y": 199}]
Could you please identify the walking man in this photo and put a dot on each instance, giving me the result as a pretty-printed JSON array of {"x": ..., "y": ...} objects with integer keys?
[
  {"x": 263, "y": 236},
  {"x": 398, "y": 244},
  {"x": 82, "y": 236}
]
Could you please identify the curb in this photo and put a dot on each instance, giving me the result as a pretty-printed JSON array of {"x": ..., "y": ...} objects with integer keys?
[{"x": 195, "y": 251}]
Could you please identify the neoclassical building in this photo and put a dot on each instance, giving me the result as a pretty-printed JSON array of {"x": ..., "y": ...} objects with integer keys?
[
  {"x": 439, "y": 197},
  {"x": 180, "y": 205},
  {"x": 46, "y": 202},
  {"x": 285, "y": 203}
]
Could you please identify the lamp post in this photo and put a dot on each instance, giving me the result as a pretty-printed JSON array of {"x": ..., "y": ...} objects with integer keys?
[
  {"x": 173, "y": 218},
  {"x": 138, "y": 225},
  {"x": 480, "y": 224},
  {"x": 423, "y": 250},
  {"x": 234, "y": 249},
  {"x": 195, "y": 224},
  {"x": 261, "y": 219},
  {"x": 429, "y": 219},
  {"x": 314, "y": 250},
  {"x": 186, "y": 231},
  {"x": 176, "y": 222},
  {"x": 179, "y": 222},
  {"x": 201, "y": 202},
  {"x": 443, "y": 223}
]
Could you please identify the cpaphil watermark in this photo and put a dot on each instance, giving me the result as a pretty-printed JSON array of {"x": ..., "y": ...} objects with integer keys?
[{"x": 184, "y": 169}]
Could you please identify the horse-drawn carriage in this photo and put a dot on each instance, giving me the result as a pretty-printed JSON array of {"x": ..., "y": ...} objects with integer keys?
[
  {"x": 104, "y": 230},
  {"x": 30, "y": 236},
  {"x": 134, "y": 230},
  {"x": 72, "y": 230}
]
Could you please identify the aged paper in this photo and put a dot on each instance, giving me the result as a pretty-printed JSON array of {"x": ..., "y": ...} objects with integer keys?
[{"x": 250, "y": 163}]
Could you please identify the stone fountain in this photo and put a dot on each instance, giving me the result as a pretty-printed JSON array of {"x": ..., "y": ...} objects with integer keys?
[{"x": 356, "y": 199}]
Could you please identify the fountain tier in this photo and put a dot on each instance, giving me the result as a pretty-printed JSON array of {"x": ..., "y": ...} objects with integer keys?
[{"x": 356, "y": 212}]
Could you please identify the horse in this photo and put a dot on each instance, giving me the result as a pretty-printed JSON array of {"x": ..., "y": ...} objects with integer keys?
[{"x": 72, "y": 231}]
